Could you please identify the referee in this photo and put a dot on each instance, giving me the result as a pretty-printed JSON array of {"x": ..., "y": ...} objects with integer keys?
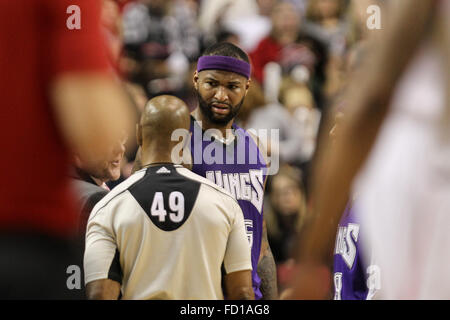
[{"x": 165, "y": 232}]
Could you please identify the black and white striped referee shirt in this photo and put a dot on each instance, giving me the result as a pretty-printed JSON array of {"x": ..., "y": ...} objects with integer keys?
[{"x": 164, "y": 233}]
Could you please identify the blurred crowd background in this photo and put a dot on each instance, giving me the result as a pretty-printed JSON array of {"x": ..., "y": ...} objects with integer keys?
[{"x": 301, "y": 52}]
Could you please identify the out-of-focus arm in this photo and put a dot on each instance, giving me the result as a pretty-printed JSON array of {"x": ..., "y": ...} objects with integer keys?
[
  {"x": 92, "y": 111},
  {"x": 338, "y": 164}
]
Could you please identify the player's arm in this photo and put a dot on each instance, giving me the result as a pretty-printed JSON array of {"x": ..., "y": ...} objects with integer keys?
[
  {"x": 337, "y": 165},
  {"x": 105, "y": 289},
  {"x": 90, "y": 106},
  {"x": 267, "y": 269},
  {"x": 239, "y": 285}
]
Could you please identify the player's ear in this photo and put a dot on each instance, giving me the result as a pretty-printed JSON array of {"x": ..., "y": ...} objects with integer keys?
[
  {"x": 195, "y": 80},
  {"x": 139, "y": 134},
  {"x": 247, "y": 85}
]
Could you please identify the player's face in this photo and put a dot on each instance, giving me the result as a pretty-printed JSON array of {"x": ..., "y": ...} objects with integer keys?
[{"x": 220, "y": 94}]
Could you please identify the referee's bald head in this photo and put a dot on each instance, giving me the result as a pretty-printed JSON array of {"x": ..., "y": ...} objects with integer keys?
[{"x": 161, "y": 117}]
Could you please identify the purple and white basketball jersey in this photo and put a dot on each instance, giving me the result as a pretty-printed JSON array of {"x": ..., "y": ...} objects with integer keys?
[
  {"x": 239, "y": 168},
  {"x": 352, "y": 281}
]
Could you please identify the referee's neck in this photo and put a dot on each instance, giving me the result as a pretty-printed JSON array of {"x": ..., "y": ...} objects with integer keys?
[{"x": 156, "y": 154}]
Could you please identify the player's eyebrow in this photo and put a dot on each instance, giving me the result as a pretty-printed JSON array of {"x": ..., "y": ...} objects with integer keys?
[
  {"x": 231, "y": 82},
  {"x": 210, "y": 78}
]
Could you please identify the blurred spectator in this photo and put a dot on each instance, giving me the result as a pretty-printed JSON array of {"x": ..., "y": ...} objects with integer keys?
[
  {"x": 215, "y": 14},
  {"x": 286, "y": 209},
  {"x": 325, "y": 22},
  {"x": 112, "y": 27},
  {"x": 285, "y": 31},
  {"x": 253, "y": 27},
  {"x": 138, "y": 95},
  {"x": 304, "y": 62},
  {"x": 274, "y": 116},
  {"x": 301, "y": 5},
  {"x": 161, "y": 38},
  {"x": 299, "y": 102},
  {"x": 254, "y": 100},
  {"x": 297, "y": 119}
]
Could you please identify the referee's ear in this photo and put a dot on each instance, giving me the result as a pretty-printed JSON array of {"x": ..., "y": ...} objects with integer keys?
[{"x": 139, "y": 134}]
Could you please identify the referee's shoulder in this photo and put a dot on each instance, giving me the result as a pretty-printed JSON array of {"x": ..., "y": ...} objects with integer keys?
[{"x": 118, "y": 192}]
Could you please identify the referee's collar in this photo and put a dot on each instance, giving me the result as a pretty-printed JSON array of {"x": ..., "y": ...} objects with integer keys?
[{"x": 160, "y": 168}]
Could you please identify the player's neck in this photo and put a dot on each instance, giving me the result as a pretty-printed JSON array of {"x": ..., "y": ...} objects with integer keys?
[{"x": 206, "y": 124}]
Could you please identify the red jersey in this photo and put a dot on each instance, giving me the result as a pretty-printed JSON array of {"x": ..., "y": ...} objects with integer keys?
[{"x": 36, "y": 47}]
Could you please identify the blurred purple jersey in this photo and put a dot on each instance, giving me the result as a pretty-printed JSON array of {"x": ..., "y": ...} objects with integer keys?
[
  {"x": 350, "y": 280},
  {"x": 239, "y": 168}
]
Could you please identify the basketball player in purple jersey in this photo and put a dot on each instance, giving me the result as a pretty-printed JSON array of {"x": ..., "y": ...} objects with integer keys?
[
  {"x": 228, "y": 155},
  {"x": 351, "y": 279}
]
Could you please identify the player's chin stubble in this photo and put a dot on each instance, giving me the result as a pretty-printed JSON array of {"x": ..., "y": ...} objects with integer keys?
[{"x": 206, "y": 109}]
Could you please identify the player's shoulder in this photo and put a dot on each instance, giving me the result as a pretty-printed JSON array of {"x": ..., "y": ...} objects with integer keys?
[
  {"x": 118, "y": 193},
  {"x": 205, "y": 182},
  {"x": 249, "y": 133},
  {"x": 252, "y": 135}
]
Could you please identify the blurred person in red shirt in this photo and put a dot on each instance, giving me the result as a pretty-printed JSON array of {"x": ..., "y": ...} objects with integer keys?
[
  {"x": 285, "y": 30},
  {"x": 58, "y": 96}
]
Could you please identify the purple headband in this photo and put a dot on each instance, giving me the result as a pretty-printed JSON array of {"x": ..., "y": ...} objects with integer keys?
[{"x": 224, "y": 63}]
